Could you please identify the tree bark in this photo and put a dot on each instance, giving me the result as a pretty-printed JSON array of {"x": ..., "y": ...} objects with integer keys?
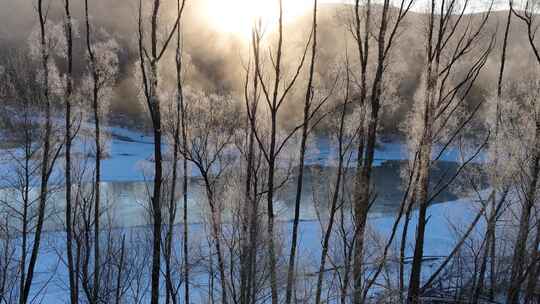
[
  {"x": 248, "y": 275},
  {"x": 520, "y": 249},
  {"x": 362, "y": 190},
  {"x": 73, "y": 288},
  {"x": 98, "y": 156},
  {"x": 300, "y": 176},
  {"x": 490, "y": 246},
  {"x": 360, "y": 211},
  {"x": 46, "y": 159},
  {"x": 216, "y": 232},
  {"x": 335, "y": 197},
  {"x": 531, "y": 291},
  {"x": 425, "y": 148}
]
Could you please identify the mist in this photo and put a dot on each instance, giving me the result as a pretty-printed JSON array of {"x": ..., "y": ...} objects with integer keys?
[{"x": 216, "y": 61}]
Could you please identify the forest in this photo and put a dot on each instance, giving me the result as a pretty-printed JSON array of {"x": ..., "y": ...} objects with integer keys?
[{"x": 269, "y": 151}]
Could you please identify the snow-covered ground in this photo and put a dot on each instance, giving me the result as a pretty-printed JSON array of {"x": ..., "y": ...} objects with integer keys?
[
  {"x": 440, "y": 240},
  {"x": 123, "y": 173}
]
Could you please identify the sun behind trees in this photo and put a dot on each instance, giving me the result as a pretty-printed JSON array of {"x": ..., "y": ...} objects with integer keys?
[{"x": 276, "y": 151}]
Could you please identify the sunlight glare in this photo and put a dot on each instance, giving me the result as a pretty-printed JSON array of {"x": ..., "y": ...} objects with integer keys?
[{"x": 238, "y": 16}]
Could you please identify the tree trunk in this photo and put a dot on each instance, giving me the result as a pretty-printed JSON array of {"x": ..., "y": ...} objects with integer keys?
[
  {"x": 272, "y": 164},
  {"x": 532, "y": 284},
  {"x": 156, "y": 206},
  {"x": 490, "y": 246},
  {"x": 335, "y": 198},
  {"x": 520, "y": 249},
  {"x": 46, "y": 160},
  {"x": 97, "y": 178},
  {"x": 216, "y": 232},
  {"x": 185, "y": 213},
  {"x": 73, "y": 288},
  {"x": 271, "y": 220},
  {"x": 414, "y": 284},
  {"x": 155, "y": 110},
  {"x": 171, "y": 293},
  {"x": 120, "y": 271},
  {"x": 363, "y": 183},
  {"x": 422, "y": 188},
  {"x": 26, "y": 202},
  {"x": 300, "y": 176},
  {"x": 360, "y": 211},
  {"x": 404, "y": 234},
  {"x": 487, "y": 248},
  {"x": 182, "y": 109},
  {"x": 249, "y": 213},
  {"x": 250, "y": 195}
]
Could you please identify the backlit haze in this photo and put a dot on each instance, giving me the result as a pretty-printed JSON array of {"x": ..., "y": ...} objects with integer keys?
[{"x": 238, "y": 16}]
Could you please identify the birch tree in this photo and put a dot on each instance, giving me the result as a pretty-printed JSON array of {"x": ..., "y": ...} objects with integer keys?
[{"x": 442, "y": 94}]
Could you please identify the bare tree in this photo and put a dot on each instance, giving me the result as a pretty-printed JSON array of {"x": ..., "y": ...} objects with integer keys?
[
  {"x": 149, "y": 69},
  {"x": 21, "y": 203},
  {"x": 442, "y": 95},
  {"x": 184, "y": 164},
  {"x": 275, "y": 96},
  {"x": 490, "y": 244},
  {"x": 49, "y": 154},
  {"x": 388, "y": 30},
  {"x": 528, "y": 17},
  {"x": 97, "y": 179},
  {"x": 68, "y": 23},
  {"x": 309, "y": 112},
  {"x": 250, "y": 225},
  {"x": 178, "y": 137},
  {"x": 8, "y": 267},
  {"x": 209, "y": 139},
  {"x": 344, "y": 146},
  {"x": 102, "y": 70}
]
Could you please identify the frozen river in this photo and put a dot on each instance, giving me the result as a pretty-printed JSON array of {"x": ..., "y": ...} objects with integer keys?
[
  {"x": 125, "y": 194},
  {"x": 126, "y": 203}
]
